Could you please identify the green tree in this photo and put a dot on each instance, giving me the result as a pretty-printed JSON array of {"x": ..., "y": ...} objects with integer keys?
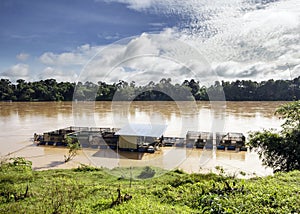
[
  {"x": 280, "y": 151},
  {"x": 6, "y": 90},
  {"x": 74, "y": 146},
  {"x": 291, "y": 113},
  {"x": 164, "y": 90}
]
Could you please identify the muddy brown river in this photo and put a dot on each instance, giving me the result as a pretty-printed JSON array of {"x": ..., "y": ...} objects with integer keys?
[{"x": 20, "y": 120}]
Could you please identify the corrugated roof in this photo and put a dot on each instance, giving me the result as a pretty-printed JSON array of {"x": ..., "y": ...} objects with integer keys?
[
  {"x": 233, "y": 136},
  {"x": 147, "y": 130}
]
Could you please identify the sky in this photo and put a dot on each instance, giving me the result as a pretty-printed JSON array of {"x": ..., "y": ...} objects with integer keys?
[{"x": 146, "y": 40}]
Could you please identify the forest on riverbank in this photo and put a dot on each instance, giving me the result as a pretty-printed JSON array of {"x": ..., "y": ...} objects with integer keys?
[{"x": 164, "y": 90}]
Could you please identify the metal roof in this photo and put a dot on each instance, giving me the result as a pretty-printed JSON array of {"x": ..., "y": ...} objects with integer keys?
[
  {"x": 233, "y": 136},
  {"x": 146, "y": 130}
]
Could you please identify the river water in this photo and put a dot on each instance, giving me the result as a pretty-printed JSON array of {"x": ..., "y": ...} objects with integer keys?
[{"x": 20, "y": 120}]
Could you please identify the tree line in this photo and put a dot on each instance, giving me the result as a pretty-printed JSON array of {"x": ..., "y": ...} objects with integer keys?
[{"x": 164, "y": 90}]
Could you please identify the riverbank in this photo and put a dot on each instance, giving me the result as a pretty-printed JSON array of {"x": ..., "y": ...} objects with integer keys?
[
  {"x": 142, "y": 190},
  {"x": 241, "y": 164}
]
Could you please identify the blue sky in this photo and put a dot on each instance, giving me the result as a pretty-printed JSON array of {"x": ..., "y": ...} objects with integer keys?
[
  {"x": 237, "y": 39},
  {"x": 36, "y": 26}
]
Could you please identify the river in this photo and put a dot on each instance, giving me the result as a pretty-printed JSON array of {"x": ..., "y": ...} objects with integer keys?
[{"x": 20, "y": 120}]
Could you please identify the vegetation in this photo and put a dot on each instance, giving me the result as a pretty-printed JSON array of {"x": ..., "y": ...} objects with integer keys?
[
  {"x": 164, "y": 90},
  {"x": 44, "y": 90},
  {"x": 15, "y": 176},
  {"x": 147, "y": 172},
  {"x": 74, "y": 146},
  {"x": 97, "y": 190},
  {"x": 281, "y": 150}
]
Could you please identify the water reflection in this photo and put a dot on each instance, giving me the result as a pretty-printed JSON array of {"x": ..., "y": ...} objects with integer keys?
[
  {"x": 25, "y": 109},
  {"x": 25, "y": 118},
  {"x": 230, "y": 155},
  {"x": 167, "y": 109}
]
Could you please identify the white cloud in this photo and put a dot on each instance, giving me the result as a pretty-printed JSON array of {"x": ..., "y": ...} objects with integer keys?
[
  {"x": 22, "y": 56},
  {"x": 255, "y": 44},
  {"x": 107, "y": 36},
  {"x": 18, "y": 71},
  {"x": 229, "y": 40},
  {"x": 149, "y": 57},
  {"x": 238, "y": 70},
  {"x": 135, "y": 4},
  {"x": 59, "y": 75},
  {"x": 295, "y": 72},
  {"x": 79, "y": 56},
  {"x": 50, "y": 58}
]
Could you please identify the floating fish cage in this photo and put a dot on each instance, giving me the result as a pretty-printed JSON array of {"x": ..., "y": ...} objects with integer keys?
[
  {"x": 57, "y": 137},
  {"x": 231, "y": 141},
  {"x": 199, "y": 139},
  {"x": 87, "y": 137},
  {"x": 145, "y": 140},
  {"x": 173, "y": 141},
  {"x": 97, "y": 138}
]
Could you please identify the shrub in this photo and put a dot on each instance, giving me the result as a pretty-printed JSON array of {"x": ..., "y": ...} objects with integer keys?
[
  {"x": 147, "y": 172},
  {"x": 280, "y": 151},
  {"x": 15, "y": 175}
]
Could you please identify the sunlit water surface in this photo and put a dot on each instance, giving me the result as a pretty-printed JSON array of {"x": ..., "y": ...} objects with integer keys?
[{"x": 19, "y": 121}]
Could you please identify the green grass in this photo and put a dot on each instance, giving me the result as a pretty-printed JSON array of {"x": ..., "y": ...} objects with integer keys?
[{"x": 92, "y": 190}]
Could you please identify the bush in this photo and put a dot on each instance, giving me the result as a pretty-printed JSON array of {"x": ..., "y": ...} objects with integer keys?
[
  {"x": 147, "y": 172},
  {"x": 74, "y": 146},
  {"x": 280, "y": 151},
  {"x": 15, "y": 175}
]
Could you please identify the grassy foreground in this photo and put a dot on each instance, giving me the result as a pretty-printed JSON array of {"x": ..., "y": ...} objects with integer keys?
[{"x": 93, "y": 190}]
